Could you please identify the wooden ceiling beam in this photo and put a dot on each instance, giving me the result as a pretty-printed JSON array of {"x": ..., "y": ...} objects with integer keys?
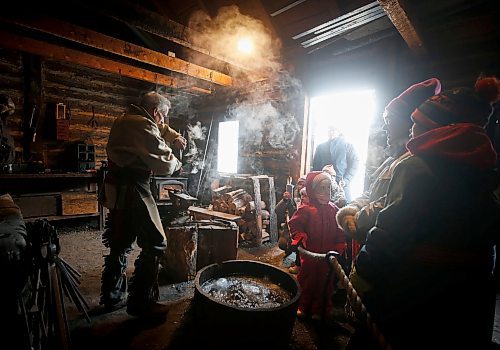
[
  {"x": 403, "y": 24},
  {"x": 167, "y": 29},
  {"x": 36, "y": 47},
  {"x": 122, "y": 48}
]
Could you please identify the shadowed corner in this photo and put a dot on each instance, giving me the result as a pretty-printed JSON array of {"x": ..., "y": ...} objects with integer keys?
[{"x": 117, "y": 329}]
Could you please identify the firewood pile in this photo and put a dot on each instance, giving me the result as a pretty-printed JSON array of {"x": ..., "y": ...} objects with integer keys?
[{"x": 254, "y": 218}]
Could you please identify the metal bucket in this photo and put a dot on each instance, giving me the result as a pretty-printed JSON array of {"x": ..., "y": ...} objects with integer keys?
[{"x": 247, "y": 327}]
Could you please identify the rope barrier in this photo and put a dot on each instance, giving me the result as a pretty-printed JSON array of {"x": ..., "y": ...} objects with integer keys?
[{"x": 354, "y": 299}]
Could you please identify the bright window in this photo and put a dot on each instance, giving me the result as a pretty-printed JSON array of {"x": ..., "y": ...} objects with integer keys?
[
  {"x": 352, "y": 112},
  {"x": 227, "y": 150}
]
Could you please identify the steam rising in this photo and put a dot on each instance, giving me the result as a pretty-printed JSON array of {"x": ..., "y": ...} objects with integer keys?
[
  {"x": 267, "y": 107},
  {"x": 221, "y": 35},
  {"x": 266, "y": 123},
  {"x": 194, "y": 154}
]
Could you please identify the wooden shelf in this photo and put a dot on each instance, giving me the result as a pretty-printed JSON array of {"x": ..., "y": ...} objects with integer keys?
[
  {"x": 55, "y": 196},
  {"x": 61, "y": 217},
  {"x": 48, "y": 176}
]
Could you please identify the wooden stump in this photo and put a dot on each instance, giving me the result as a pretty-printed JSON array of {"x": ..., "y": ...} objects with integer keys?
[
  {"x": 196, "y": 245},
  {"x": 216, "y": 243},
  {"x": 181, "y": 252}
]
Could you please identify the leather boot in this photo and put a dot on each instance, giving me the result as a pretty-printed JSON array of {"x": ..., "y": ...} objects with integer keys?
[
  {"x": 144, "y": 292},
  {"x": 114, "y": 281}
]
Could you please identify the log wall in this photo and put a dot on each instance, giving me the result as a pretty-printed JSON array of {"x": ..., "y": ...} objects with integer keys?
[
  {"x": 276, "y": 154},
  {"x": 83, "y": 88},
  {"x": 77, "y": 87}
]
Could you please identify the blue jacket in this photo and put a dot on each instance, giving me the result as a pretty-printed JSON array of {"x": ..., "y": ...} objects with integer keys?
[{"x": 339, "y": 153}]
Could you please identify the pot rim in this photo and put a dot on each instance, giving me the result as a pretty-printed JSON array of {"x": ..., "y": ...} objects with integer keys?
[{"x": 292, "y": 300}]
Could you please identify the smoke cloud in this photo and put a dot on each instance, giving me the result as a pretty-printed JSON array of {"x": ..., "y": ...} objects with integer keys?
[
  {"x": 221, "y": 35},
  {"x": 196, "y": 136},
  {"x": 265, "y": 97}
]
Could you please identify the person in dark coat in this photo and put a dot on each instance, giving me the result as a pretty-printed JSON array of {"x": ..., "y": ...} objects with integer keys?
[
  {"x": 359, "y": 215},
  {"x": 137, "y": 146},
  {"x": 425, "y": 272},
  {"x": 338, "y": 152}
]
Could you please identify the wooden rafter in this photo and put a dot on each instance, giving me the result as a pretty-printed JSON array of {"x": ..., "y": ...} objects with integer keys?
[
  {"x": 36, "y": 47},
  {"x": 403, "y": 24},
  {"x": 171, "y": 31},
  {"x": 122, "y": 48},
  {"x": 164, "y": 27}
]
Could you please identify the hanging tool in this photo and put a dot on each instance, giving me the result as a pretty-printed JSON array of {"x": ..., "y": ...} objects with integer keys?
[
  {"x": 181, "y": 151},
  {"x": 93, "y": 121},
  {"x": 33, "y": 127},
  {"x": 204, "y": 157}
]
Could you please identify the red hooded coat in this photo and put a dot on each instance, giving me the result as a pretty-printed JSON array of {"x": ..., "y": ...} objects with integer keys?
[{"x": 315, "y": 226}]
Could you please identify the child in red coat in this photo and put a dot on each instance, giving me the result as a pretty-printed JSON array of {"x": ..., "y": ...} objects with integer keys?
[{"x": 315, "y": 228}]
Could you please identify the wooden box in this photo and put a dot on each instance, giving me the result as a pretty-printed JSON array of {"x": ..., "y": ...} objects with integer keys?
[
  {"x": 78, "y": 203},
  {"x": 34, "y": 205}
]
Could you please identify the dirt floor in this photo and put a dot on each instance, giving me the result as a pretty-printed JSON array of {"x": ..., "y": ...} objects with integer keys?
[{"x": 82, "y": 248}]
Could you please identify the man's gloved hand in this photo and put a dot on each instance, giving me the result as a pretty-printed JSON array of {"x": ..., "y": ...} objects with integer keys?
[
  {"x": 180, "y": 143},
  {"x": 349, "y": 225},
  {"x": 346, "y": 219}
]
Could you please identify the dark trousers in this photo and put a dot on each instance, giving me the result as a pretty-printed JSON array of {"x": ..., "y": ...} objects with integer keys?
[{"x": 124, "y": 227}]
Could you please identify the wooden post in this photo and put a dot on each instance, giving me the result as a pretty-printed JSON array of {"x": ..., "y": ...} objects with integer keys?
[
  {"x": 258, "y": 210},
  {"x": 272, "y": 206}
]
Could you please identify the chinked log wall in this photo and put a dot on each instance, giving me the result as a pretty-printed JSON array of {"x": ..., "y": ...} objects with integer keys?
[
  {"x": 110, "y": 94},
  {"x": 76, "y": 86},
  {"x": 83, "y": 88}
]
